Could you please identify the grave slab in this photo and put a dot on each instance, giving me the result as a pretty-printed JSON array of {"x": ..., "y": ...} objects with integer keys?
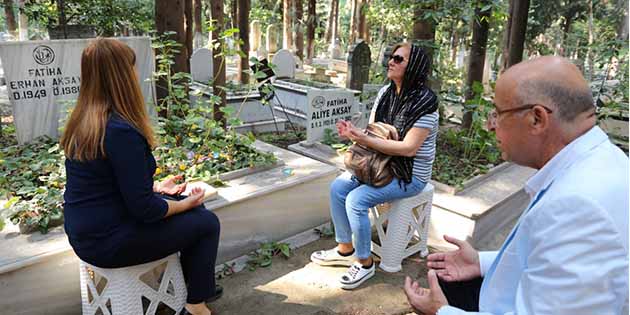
[
  {"x": 288, "y": 199},
  {"x": 292, "y": 100},
  {"x": 487, "y": 205}
]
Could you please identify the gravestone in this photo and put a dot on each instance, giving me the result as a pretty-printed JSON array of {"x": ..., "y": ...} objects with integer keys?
[
  {"x": 384, "y": 62},
  {"x": 325, "y": 108},
  {"x": 201, "y": 65},
  {"x": 359, "y": 60},
  {"x": 460, "y": 61},
  {"x": 272, "y": 40},
  {"x": 254, "y": 35},
  {"x": 43, "y": 80},
  {"x": 334, "y": 49},
  {"x": 368, "y": 97},
  {"x": 285, "y": 64}
]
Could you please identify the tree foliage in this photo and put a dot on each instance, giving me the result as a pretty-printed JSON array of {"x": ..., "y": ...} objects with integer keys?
[{"x": 110, "y": 17}]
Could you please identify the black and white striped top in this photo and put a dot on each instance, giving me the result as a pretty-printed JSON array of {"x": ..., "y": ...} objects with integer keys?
[{"x": 423, "y": 162}]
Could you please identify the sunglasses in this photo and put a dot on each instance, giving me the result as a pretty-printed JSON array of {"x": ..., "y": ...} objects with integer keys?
[{"x": 397, "y": 58}]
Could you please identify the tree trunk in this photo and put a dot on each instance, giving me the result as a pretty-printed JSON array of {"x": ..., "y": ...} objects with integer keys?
[
  {"x": 22, "y": 21},
  {"x": 454, "y": 43},
  {"x": 310, "y": 30},
  {"x": 243, "y": 26},
  {"x": 198, "y": 24},
  {"x": 353, "y": 22},
  {"x": 198, "y": 12},
  {"x": 12, "y": 26},
  {"x": 188, "y": 16},
  {"x": 332, "y": 17},
  {"x": 589, "y": 54},
  {"x": 218, "y": 71},
  {"x": 364, "y": 29},
  {"x": 622, "y": 31},
  {"x": 335, "y": 34},
  {"x": 515, "y": 32},
  {"x": 424, "y": 30},
  {"x": 383, "y": 34},
  {"x": 299, "y": 29},
  {"x": 234, "y": 12},
  {"x": 566, "y": 29},
  {"x": 506, "y": 38},
  {"x": 622, "y": 39},
  {"x": 169, "y": 17},
  {"x": 287, "y": 33},
  {"x": 477, "y": 57}
]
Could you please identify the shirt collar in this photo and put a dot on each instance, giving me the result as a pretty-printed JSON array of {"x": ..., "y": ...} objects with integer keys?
[{"x": 569, "y": 154}]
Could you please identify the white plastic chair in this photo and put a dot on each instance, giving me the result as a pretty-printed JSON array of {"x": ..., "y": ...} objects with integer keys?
[
  {"x": 407, "y": 218},
  {"x": 134, "y": 290}
]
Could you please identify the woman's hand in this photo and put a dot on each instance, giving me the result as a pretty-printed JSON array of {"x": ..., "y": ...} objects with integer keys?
[
  {"x": 194, "y": 199},
  {"x": 348, "y": 130},
  {"x": 341, "y": 128},
  {"x": 169, "y": 186}
]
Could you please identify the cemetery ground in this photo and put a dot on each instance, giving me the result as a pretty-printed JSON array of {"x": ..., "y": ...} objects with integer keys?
[{"x": 289, "y": 285}]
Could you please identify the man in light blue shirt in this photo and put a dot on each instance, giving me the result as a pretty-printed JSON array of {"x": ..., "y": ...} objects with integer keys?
[{"x": 568, "y": 253}]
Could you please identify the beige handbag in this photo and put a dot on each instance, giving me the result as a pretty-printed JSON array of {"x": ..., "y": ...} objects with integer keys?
[{"x": 370, "y": 166}]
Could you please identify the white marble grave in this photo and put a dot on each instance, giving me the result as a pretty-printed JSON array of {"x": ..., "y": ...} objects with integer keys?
[
  {"x": 285, "y": 64},
  {"x": 201, "y": 65},
  {"x": 43, "y": 80},
  {"x": 325, "y": 108}
]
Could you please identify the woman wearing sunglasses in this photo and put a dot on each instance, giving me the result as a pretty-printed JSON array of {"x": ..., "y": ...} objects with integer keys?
[{"x": 408, "y": 104}]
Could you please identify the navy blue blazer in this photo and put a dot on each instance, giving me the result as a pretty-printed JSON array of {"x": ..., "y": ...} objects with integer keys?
[{"x": 105, "y": 196}]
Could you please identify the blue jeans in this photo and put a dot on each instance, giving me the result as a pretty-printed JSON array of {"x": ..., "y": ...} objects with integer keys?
[{"x": 349, "y": 204}]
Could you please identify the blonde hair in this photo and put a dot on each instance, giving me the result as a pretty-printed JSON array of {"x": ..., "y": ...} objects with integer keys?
[{"x": 109, "y": 83}]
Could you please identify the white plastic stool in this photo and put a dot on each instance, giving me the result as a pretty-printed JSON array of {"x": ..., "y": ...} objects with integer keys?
[
  {"x": 137, "y": 290},
  {"x": 406, "y": 218}
]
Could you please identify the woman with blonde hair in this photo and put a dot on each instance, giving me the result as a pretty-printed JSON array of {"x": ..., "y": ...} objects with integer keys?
[{"x": 115, "y": 216}]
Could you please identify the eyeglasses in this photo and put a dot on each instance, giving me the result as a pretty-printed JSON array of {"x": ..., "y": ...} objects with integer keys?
[
  {"x": 397, "y": 58},
  {"x": 494, "y": 115}
]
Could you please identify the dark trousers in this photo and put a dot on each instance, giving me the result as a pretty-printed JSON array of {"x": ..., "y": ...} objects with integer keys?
[
  {"x": 194, "y": 233},
  {"x": 462, "y": 294}
]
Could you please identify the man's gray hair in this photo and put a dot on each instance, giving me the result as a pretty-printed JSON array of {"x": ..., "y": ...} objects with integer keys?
[{"x": 567, "y": 101}]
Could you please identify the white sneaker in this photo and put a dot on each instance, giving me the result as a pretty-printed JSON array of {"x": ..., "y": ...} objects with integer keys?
[
  {"x": 356, "y": 275},
  {"x": 332, "y": 257}
]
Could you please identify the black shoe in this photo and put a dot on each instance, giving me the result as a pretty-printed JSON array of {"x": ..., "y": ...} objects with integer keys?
[{"x": 218, "y": 293}]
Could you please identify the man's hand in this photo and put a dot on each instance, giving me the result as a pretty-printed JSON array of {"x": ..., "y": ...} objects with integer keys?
[
  {"x": 426, "y": 301},
  {"x": 169, "y": 186},
  {"x": 458, "y": 265}
]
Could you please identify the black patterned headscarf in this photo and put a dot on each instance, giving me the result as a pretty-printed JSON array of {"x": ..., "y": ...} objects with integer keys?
[{"x": 403, "y": 110}]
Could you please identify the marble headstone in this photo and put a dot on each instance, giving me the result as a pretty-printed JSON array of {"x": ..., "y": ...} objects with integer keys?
[
  {"x": 254, "y": 35},
  {"x": 201, "y": 65},
  {"x": 325, "y": 108},
  {"x": 359, "y": 61},
  {"x": 285, "y": 64},
  {"x": 43, "y": 80},
  {"x": 272, "y": 39}
]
